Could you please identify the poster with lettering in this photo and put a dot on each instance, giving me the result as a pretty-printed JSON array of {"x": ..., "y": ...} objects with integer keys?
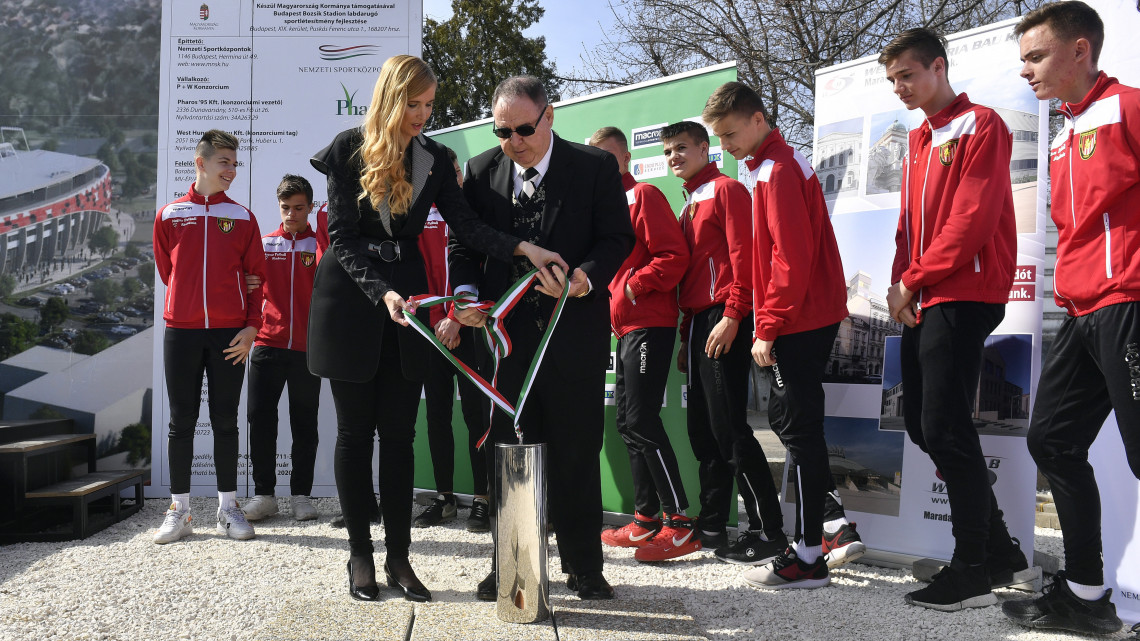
[
  {"x": 285, "y": 78},
  {"x": 888, "y": 485}
]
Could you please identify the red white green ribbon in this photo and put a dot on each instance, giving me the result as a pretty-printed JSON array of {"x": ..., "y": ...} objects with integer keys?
[{"x": 497, "y": 341}]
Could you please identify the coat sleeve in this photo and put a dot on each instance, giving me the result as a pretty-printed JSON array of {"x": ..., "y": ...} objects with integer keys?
[
  {"x": 466, "y": 226},
  {"x": 344, "y": 226},
  {"x": 161, "y": 237},
  {"x": 736, "y": 207},
  {"x": 612, "y": 231},
  {"x": 656, "y": 224},
  {"x": 784, "y": 210},
  {"x": 463, "y": 262},
  {"x": 253, "y": 262},
  {"x": 972, "y": 220}
]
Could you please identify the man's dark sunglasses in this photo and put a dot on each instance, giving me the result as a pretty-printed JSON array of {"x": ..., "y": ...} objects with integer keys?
[{"x": 524, "y": 130}]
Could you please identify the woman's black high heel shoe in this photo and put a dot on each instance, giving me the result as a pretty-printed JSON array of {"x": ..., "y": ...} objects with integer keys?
[
  {"x": 410, "y": 585},
  {"x": 363, "y": 593}
]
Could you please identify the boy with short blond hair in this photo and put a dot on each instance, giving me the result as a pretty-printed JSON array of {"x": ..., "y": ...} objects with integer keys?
[
  {"x": 799, "y": 297},
  {"x": 204, "y": 243}
]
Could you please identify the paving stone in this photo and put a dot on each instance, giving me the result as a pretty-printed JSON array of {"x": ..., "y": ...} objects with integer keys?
[
  {"x": 442, "y": 620},
  {"x": 340, "y": 619},
  {"x": 624, "y": 620}
]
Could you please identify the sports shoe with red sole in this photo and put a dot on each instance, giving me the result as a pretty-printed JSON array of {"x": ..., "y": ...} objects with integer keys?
[
  {"x": 633, "y": 535},
  {"x": 842, "y": 546},
  {"x": 788, "y": 571},
  {"x": 676, "y": 539}
]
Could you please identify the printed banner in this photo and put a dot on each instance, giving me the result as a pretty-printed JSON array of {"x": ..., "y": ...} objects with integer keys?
[
  {"x": 284, "y": 77},
  {"x": 889, "y": 486}
]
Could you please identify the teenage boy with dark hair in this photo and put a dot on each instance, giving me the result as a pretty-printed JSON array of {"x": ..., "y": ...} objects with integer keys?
[
  {"x": 799, "y": 299},
  {"x": 955, "y": 252},
  {"x": 278, "y": 357},
  {"x": 716, "y": 299},
  {"x": 643, "y": 314},
  {"x": 203, "y": 244},
  {"x": 439, "y": 388},
  {"x": 1090, "y": 371}
]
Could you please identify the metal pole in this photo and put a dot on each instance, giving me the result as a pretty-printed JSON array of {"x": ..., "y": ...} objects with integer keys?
[{"x": 520, "y": 533}]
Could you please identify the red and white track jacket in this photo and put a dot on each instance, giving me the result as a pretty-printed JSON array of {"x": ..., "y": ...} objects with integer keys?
[
  {"x": 796, "y": 270},
  {"x": 203, "y": 247},
  {"x": 290, "y": 264},
  {"x": 1095, "y": 174},
  {"x": 957, "y": 235},
  {"x": 433, "y": 247},
  {"x": 717, "y": 225},
  {"x": 653, "y": 269}
]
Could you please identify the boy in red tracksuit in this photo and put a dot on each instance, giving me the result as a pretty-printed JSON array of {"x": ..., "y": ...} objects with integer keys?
[
  {"x": 643, "y": 314},
  {"x": 716, "y": 299},
  {"x": 204, "y": 243},
  {"x": 439, "y": 388},
  {"x": 1094, "y": 365},
  {"x": 956, "y": 249},
  {"x": 278, "y": 357},
  {"x": 799, "y": 299}
]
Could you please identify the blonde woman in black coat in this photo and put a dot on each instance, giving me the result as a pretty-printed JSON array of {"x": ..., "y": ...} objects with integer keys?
[{"x": 382, "y": 180}]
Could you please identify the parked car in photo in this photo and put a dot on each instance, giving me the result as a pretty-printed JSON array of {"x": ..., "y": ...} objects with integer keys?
[
  {"x": 130, "y": 311},
  {"x": 30, "y": 301},
  {"x": 123, "y": 330},
  {"x": 110, "y": 317}
]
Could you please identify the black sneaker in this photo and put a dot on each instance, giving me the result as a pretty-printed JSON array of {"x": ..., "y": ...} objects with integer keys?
[
  {"x": 751, "y": 549},
  {"x": 1009, "y": 567},
  {"x": 711, "y": 536},
  {"x": 1059, "y": 609},
  {"x": 480, "y": 518},
  {"x": 955, "y": 587},
  {"x": 442, "y": 509}
]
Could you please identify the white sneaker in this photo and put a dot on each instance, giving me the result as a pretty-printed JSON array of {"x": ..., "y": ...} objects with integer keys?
[
  {"x": 303, "y": 509},
  {"x": 174, "y": 526},
  {"x": 260, "y": 507},
  {"x": 232, "y": 523}
]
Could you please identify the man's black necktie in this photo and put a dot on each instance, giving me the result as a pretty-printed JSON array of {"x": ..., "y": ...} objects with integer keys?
[{"x": 528, "y": 186}]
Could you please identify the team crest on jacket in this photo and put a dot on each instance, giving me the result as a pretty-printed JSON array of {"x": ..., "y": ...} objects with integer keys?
[
  {"x": 946, "y": 151},
  {"x": 226, "y": 225},
  {"x": 1086, "y": 144},
  {"x": 307, "y": 258}
]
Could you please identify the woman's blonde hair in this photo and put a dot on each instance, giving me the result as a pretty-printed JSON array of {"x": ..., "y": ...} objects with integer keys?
[{"x": 401, "y": 78}]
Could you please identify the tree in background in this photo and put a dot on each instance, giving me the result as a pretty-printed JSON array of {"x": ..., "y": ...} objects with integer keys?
[
  {"x": 16, "y": 335},
  {"x": 7, "y": 285},
  {"x": 480, "y": 45},
  {"x": 135, "y": 441},
  {"x": 90, "y": 342},
  {"x": 778, "y": 45},
  {"x": 105, "y": 290},
  {"x": 103, "y": 240},
  {"x": 146, "y": 274},
  {"x": 53, "y": 313}
]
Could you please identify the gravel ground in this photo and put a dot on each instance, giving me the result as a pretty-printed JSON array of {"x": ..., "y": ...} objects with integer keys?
[{"x": 117, "y": 585}]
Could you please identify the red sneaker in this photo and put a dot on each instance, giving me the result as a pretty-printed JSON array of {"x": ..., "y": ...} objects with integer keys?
[
  {"x": 842, "y": 546},
  {"x": 676, "y": 539},
  {"x": 634, "y": 535}
]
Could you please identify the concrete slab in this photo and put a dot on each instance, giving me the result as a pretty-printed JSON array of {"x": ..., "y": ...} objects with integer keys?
[
  {"x": 340, "y": 619},
  {"x": 463, "y": 618},
  {"x": 624, "y": 620}
]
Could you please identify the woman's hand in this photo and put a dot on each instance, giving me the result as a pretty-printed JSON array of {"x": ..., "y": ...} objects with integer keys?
[
  {"x": 240, "y": 345},
  {"x": 541, "y": 258},
  {"x": 447, "y": 331},
  {"x": 396, "y": 305}
]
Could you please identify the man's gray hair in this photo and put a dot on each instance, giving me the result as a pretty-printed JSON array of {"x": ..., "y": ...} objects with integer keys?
[{"x": 518, "y": 87}]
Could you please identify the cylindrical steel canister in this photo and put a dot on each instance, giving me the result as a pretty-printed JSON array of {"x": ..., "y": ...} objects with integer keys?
[{"x": 520, "y": 533}]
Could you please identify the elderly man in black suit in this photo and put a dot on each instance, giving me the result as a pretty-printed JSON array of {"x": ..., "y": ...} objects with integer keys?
[{"x": 567, "y": 198}]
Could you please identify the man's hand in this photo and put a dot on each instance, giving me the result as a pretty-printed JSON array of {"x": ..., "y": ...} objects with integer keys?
[
  {"x": 447, "y": 331},
  {"x": 579, "y": 285},
  {"x": 683, "y": 358},
  {"x": 240, "y": 345},
  {"x": 252, "y": 282},
  {"x": 762, "y": 353},
  {"x": 541, "y": 258},
  {"x": 396, "y": 305},
  {"x": 901, "y": 304},
  {"x": 629, "y": 294},
  {"x": 471, "y": 317},
  {"x": 721, "y": 337}
]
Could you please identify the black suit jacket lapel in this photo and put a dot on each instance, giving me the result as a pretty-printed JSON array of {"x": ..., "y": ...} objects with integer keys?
[
  {"x": 503, "y": 184},
  {"x": 557, "y": 183}
]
